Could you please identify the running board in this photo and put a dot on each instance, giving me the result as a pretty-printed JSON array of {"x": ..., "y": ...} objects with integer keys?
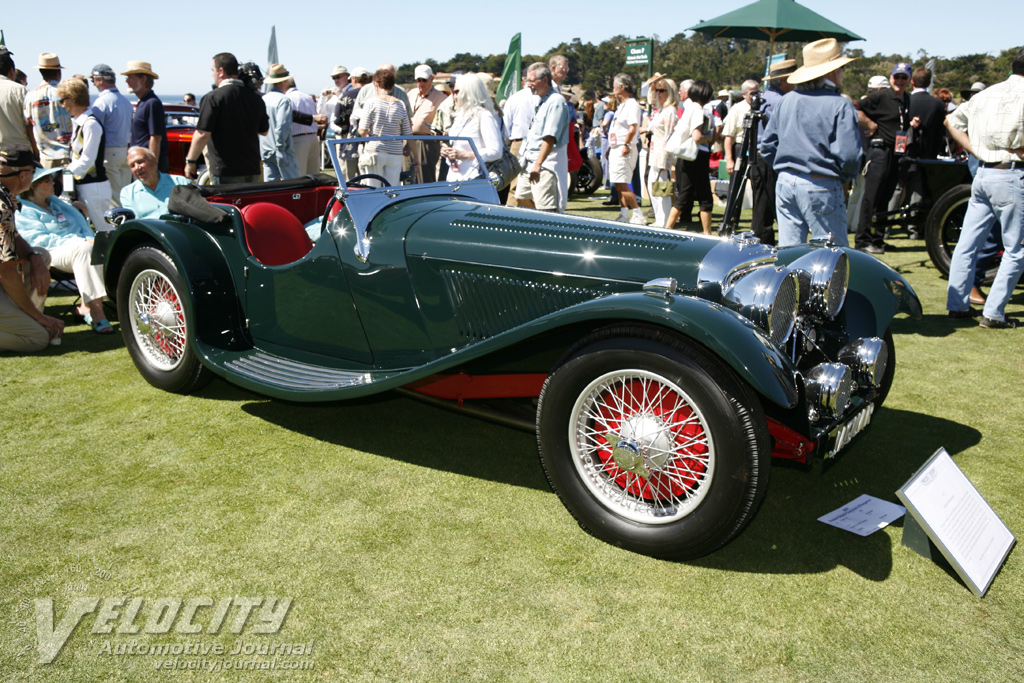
[{"x": 264, "y": 368}]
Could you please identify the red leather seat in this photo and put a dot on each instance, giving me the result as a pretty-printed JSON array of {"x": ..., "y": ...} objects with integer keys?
[{"x": 273, "y": 234}]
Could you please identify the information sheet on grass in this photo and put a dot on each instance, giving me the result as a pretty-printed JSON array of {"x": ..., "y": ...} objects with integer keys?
[
  {"x": 958, "y": 520},
  {"x": 864, "y": 515}
]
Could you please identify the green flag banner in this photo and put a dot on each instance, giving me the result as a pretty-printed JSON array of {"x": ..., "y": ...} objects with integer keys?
[{"x": 512, "y": 74}]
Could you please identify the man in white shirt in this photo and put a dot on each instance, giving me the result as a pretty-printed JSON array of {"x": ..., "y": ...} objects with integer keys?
[{"x": 518, "y": 115}]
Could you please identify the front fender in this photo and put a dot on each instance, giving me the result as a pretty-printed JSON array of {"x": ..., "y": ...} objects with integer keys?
[
  {"x": 734, "y": 339},
  {"x": 214, "y": 306},
  {"x": 876, "y": 294}
]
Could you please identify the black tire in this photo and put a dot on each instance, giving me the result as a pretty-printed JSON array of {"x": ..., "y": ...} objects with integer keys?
[
  {"x": 631, "y": 480},
  {"x": 150, "y": 306},
  {"x": 942, "y": 229},
  {"x": 588, "y": 178},
  {"x": 890, "y": 369}
]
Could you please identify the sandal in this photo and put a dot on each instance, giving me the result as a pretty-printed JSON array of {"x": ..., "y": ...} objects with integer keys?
[{"x": 102, "y": 327}]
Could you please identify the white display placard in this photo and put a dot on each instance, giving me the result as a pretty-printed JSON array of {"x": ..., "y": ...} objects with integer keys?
[
  {"x": 958, "y": 520},
  {"x": 864, "y": 515}
]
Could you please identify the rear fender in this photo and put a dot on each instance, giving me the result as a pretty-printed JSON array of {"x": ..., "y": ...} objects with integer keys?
[{"x": 213, "y": 306}]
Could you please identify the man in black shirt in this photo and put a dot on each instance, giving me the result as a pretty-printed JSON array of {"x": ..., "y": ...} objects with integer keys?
[
  {"x": 230, "y": 118},
  {"x": 885, "y": 114},
  {"x": 929, "y": 141}
]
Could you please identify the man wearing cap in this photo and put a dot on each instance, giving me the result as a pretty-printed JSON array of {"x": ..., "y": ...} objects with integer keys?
[
  {"x": 813, "y": 143},
  {"x": 885, "y": 114},
  {"x": 518, "y": 115},
  {"x": 762, "y": 175},
  {"x": 276, "y": 147},
  {"x": 24, "y": 270},
  {"x": 50, "y": 122},
  {"x": 114, "y": 112},
  {"x": 857, "y": 188},
  {"x": 329, "y": 96},
  {"x": 149, "y": 126},
  {"x": 991, "y": 127},
  {"x": 231, "y": 117},
  {"x": 13, "y": 126},
  {"x": 425, "y": 99}
]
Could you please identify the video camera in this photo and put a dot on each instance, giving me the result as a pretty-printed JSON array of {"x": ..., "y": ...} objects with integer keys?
[{"x": 250, "y": 75}]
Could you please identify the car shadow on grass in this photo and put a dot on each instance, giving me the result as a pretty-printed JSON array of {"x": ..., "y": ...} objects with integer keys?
[
  {"x": 399, "y": 428},
  {"x": 786, "y": 537}
]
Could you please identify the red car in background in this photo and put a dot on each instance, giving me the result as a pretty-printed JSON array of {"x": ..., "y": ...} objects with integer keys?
[{"x": 181, "y": 122}]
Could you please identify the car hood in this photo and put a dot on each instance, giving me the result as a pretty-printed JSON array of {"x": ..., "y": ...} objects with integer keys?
[{"x": 526, "y": 240}]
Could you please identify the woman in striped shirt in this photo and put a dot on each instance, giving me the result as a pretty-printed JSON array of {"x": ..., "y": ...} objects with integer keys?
[{"x": 385, "y": 115}]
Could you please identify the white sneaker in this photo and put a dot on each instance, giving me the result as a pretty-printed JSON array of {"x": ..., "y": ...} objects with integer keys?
[
  {"x": 622, "y": 219},
  {"x": 638, "y": 219}
]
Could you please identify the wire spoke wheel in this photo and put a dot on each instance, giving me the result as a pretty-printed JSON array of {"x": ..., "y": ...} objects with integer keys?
[
  {"x": 641, "y": 446},
  {"x": 653, "y": 444},
  {"x": 157, "y": 319},
  {"x": 152, "y": 307}
]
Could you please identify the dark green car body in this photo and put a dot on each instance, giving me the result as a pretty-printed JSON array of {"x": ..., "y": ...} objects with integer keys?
[{"x": 413, "y": 286}]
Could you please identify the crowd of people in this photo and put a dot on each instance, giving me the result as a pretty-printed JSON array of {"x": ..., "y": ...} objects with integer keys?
[{"x": 822, "y": 165}]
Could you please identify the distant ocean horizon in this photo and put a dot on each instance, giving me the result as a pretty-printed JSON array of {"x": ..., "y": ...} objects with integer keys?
[{"x": 166, "y": 99}]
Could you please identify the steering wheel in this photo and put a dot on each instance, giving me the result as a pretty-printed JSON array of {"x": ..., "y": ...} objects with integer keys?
[{"x": 355, "y": 181}]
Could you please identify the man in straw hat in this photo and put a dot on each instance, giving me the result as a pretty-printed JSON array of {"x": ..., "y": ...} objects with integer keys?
[
  {"x": 50, "y": 121},
  {"x": 149, "y": 126},
  {"x": 762, "y": 176},
  {"x": 813, "y": 144},
  {"x": 885, "y": 114},
  {"x": 277, "y": 147}
]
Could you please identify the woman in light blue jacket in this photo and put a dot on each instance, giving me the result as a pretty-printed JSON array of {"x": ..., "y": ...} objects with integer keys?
[{"x": 49, "y": 222}]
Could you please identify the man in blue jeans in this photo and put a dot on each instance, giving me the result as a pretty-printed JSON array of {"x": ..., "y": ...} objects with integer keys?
[
  {"x": 991, "y": 127},
  {"x": 813, "y": 144}
]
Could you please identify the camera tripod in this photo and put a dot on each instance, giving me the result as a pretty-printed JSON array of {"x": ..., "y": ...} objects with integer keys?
[{"x": 747, "y": 156}]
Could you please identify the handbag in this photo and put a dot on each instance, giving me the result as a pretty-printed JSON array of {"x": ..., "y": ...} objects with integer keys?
[
  {"x": 663, "y": 188},
  {"x": 677, "y": 146},
  {"x": 367, "y": 157},
  {"x": 503, "y": 170}
]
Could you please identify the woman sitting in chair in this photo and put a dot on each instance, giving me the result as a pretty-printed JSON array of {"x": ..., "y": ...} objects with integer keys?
[{"x": 49, "y": 222}]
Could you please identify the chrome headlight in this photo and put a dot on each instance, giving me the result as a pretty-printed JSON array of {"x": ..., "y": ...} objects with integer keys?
[
  {"x": 828, "y": 388},
  {"x": 827, "y": 273},
  {"x": 767, "y": 296},
  {"x": 868, "y": 358}
]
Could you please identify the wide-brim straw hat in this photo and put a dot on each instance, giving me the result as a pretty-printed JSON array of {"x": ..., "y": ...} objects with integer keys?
[
  {"x": 49, "y": 60},
  {"x": 820, "y": 58},
  {"x": 781, "y": 69},
  {"x": 277, "y": 73},
  {"x": 139, "y": 68}
]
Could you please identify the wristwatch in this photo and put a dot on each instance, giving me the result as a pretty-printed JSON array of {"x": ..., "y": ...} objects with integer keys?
[{"x": 190, "y": 161}]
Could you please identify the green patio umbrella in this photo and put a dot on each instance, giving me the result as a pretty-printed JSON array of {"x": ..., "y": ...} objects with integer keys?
[{"x": 774, "y": 19}]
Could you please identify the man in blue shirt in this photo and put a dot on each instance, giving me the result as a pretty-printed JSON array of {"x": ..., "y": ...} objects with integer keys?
[
  {"x": 549, "y": 131},
  {"x": 114, "y": 112},
  {"x": 813, "y": 143},
  {"x": 149, "y": 127},
  {"x": 148, "y": 195}
]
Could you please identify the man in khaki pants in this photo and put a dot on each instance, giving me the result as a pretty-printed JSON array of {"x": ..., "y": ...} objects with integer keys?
[{"x": 24, "y": 271}]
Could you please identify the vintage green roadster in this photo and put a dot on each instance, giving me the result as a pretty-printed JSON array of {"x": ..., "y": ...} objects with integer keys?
[{"x": 661, "y": 370}]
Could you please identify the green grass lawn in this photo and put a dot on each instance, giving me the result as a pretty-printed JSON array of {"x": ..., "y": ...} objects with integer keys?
[{"x": 421, "y": 545}]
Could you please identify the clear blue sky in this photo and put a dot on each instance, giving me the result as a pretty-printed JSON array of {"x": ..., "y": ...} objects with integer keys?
[{"x": 316, "y": 36}]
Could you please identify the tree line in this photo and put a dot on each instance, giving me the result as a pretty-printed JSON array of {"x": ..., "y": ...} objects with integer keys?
[{"x": 725, "y": 62}]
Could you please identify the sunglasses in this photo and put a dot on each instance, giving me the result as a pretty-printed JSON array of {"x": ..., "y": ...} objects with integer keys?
[
  {"x": 421, "y": 80},
  {"x": 18, "y": 172},
  {"x": 900, "y": 77},
  {"x": 660, "y": 90}
]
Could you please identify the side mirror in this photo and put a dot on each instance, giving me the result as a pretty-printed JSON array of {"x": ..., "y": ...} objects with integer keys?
[{"x": 116, "y": 217}]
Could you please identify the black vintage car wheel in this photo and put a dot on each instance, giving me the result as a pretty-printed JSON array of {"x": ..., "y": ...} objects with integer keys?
[
  {"x": 588, "y": 178},
  {"x": 652, "y": 445},
  {"x": 942, "y": 230},
  {"x": 153, "y": 322}
]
